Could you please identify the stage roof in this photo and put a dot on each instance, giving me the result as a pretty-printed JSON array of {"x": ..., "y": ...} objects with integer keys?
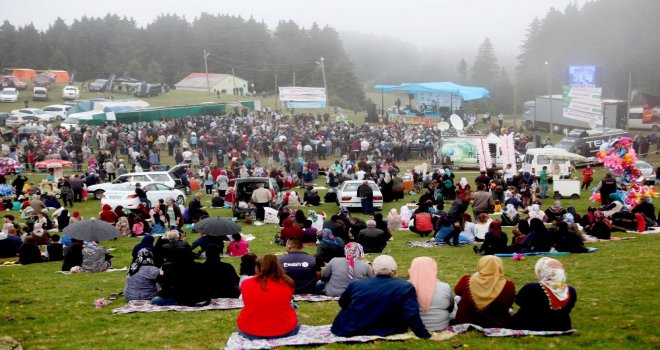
[{"x": 467, "y": 93}]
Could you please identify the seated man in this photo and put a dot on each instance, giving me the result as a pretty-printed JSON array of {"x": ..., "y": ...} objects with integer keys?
[
  {"x": 372, "y": 239},
  {"x": 301, "y": 267},
  {"x": 381, "y": 306}
]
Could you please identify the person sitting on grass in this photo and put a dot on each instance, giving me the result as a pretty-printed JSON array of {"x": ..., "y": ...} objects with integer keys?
[
  {"x": 486, "y": 296},
  {"x": 340, "y": 272},
  {"x": 268, "y": 312},
  {"x": 372, "y": 239},
  {"x": 380, "y": 306},
  {"x": 141, "y": 277},
  {"x": 496, "y": 241},
  {"x": 435, "y": 298},
  {"x": 157, "y": 226},
  {"x": 221, "y": 278},
  {"x": 95, "y": 258},
  {"x": 204, "y": 240},
  {"x": 329, "y": 247},
  {"x": 238, "y": 246},
  {"x": 181, "y": 281},
  {"x": 423, "y": 223},
  {"x": 301, "y": 267},
  {"x": 247, "y": 267},
  {"x": 73, "y": 255},
  {"x": 55, "y": 249},
  {"x": 309, "y": 233},
  {"x": 547, "y": 304},
  {"x": 538, "y": 238},
  {"x": 29, "y": 252}
]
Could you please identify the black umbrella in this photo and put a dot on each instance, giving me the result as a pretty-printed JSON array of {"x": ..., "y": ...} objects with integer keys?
[
  {"x": 91, "y": 230},
  {"x": 217, "y": 227}
]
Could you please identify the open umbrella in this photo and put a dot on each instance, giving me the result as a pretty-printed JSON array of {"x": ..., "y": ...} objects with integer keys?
[
  {"x": 52, "y": 163},
  {"x": 91, "y": 230},
  {"x": 217, "y": 227}
]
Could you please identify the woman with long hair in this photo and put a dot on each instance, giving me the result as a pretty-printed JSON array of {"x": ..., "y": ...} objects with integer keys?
[
  {"x": 538, "y": 238},
  {"x": 268, "y": 311},
  {"x": 435, "y": 298},
  {"x": 496, "y": 241}
]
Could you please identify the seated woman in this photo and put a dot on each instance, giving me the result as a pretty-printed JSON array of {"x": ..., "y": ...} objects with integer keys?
[
  {"x": 290, "y": 231},
  {"x": 247, "y": 267},
  {"x": 268, "y": 312},
  {"x": 567, "y": 240},
  {"x": 29, "y": 252},
  {"x": 157, "y": 225},
  {"x": 556, "y": 212},
  {"x": 423, "y": 224},
  {"x": 329, "y": 247},
  {"x": 518, "y": 235},
  {"x": 496, "y": 241},
  {"x": 535, "y": 212},
  {"x": 601, "y": 227},
  {"x": 510, "y": 216},
  {"x": 238, "y": 246},
  {"x": 486, "y": 296},
  {"x": 339, "y": 272},
  {"x": 51, "y": 201},
  {"x": 435, "y": 298},
  {"x": 482, "y": 226},
  {"x": 314, "y": 199},
  {"x": 181, "y": 282},
  {"x": 546, "y": 305},
  {"x": 72, "y": 255},
  {"x": 537, "y": 240},
  {"x": 146, "y": 243},
  {"x": 95, "y": 258},
  {"x": 221, "y": 278},
  {"x": 141, "y": 277}
]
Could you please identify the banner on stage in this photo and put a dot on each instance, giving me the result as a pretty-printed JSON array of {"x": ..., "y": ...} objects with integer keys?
[
  {"x": 300, "y": 93},
  {"x": 440, "y": 99},
  {"x": 304, "y": 104},
  {"x": 418, "y": 120},
  {"x": 583, "y": 104}
]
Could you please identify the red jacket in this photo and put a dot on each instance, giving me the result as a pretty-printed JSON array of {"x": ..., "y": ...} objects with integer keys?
[
  {"x": 423, "y": 222},
  {"x": 267, "y": 313},
  {"x": 108, "y": 215},
  {"x": 587, "y": 174}
]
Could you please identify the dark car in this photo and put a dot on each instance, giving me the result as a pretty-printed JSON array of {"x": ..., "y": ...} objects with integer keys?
[{"x": 243, "y": 189}]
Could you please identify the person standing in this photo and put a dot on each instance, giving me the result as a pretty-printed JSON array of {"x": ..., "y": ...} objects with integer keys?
[
  {"x": 543, "y": 181},
  {"x": 110, "y": 170},
  {"x": 261, "y": 197},
  {"x": 77, "y": 185},
  {"x": 607, "y": 186},
  {"x": 483, "y": 201},
  {"x": 500, "y": 120},
  {"x": 458, "y": 208},
  {"x": 366, "y": 194},
  {"x": 18, "y": 184},
  {"x": 587, "y": 177}
]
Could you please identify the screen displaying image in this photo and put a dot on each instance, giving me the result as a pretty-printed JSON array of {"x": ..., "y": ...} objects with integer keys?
[{"x": 584, "y": 76}]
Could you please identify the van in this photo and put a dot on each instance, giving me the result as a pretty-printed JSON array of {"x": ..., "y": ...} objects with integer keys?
[
  {"x": 40, "y": 94},
  {"x": 243, "y": 189},
  {"x": 560, "y": 162},
  {"x": 636, "y": 120},
  {"x": 170, "y": 178},
  {"x": 587, "y": 142}
]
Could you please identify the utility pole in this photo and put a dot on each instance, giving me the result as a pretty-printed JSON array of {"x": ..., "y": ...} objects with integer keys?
[
  {"x": 277, "y": 93},
  {"x": 552, "y": 124},
  {"x": 325, "y": 84},
  {"x": 629, "y": 98},
  {"x": 233, "y": 76},
  {"x": 206, "y": 68},
  {"x": 294, "y": 78}
]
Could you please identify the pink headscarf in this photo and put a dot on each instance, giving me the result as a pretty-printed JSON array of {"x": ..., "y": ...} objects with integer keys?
[
  {"x": 423, "y": 274},
  {"x": 352, "y": 251}
]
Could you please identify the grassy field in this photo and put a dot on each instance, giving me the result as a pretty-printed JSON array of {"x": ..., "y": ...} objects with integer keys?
[{"x": 616, "y": 309}]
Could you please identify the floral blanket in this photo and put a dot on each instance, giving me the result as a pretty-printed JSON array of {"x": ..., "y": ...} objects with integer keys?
[
  {"x": 216, "y": 304},
  {"x": 314, "y": 335},
  {"x": 429, "y": 244},
  {"x": 589, "y": 250}
]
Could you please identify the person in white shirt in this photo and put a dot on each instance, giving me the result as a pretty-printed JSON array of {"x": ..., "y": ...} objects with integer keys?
[
  {"x": 508, "y": 173},
  {"x": 360, "y": 174}
]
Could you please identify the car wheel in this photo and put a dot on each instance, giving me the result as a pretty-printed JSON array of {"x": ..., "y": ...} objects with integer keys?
[
  {"x": 180, "y": 200},
  {"x": 98, "y": 194}
]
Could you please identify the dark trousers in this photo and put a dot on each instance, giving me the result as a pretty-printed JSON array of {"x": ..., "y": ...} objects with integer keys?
[
  {"x": 111, "y": 176},
  {"x": 77, "y": 195},
  {"x": 454, "y": 234},
  {"x": 67, "y": 197},
  {"x": 260, "y": 210},
  {"x": 420, "y": 233}
]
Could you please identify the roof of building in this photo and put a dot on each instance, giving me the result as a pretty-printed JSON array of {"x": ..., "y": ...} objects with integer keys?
[{"x": 198, "y": 80}]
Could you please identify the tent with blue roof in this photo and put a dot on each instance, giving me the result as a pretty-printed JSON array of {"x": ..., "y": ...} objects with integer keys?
[{"x": 467, "y": 93}]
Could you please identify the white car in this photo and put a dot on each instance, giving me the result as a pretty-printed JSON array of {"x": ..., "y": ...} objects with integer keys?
[
  {"x": 58, "y": 111},
  {"x": 127, "y": 198},
  {"x": 647, "y": 172},
  {"x": 9, "y": 95},
  {"x": 14, "y": 121},
  {"x": 347, "y": 194},
  {"x": 70, "y": 92},
  {"x": 34, "y": 112},
  {"x": 169, "y": 178}
]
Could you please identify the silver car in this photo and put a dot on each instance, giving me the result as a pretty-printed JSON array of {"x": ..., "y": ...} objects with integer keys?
[{"x": 647, "y": 171}]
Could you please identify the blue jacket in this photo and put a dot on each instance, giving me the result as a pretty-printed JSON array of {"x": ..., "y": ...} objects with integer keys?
[{"x": 380, "y": 306}]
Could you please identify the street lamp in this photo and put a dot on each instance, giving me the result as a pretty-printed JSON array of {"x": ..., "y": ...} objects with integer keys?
[
  {"x": 206, "y": 68},
  {"x": 325, "y": 85},
  {"x": 552, "y": 124}
]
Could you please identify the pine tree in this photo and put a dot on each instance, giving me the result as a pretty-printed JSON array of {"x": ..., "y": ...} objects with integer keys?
[
  {"x": 485, "y": 68},
  {"x": 462, "y": 70}
]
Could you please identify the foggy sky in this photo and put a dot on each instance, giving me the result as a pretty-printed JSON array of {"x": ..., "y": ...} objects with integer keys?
[{"x": 456, "y": 24}]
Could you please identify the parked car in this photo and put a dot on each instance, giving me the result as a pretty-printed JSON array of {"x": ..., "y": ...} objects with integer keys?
[
  {"x": 126, "y": 197},
  {"x": 12, "y": 81},
  {"x": 70, "y": 123},
  {"x": 148, "y": 90},
  {"x": 58, "y": 111},
  {"x": 34, "y": 112},
  {"x": 243, "y": 189},
  {"x": 647, "y": 171},
  {"x": 70, "y": 92},
  {"x": 14, "y": 121},
  {"x": 39, "y": 94},
  {"x": 347, "y": 194},
  {"x": 9, "y": 95},
  {"x": 169, "y": 178},
  {"x": 45, "y": 80},
  {"x": 98, "y": 85}
]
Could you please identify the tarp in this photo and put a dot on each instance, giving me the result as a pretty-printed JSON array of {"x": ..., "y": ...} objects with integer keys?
[
  {"x": 61, "y": 76},
  {"x": 24, "y": 73},
  {"x": 467, "y": 93}
]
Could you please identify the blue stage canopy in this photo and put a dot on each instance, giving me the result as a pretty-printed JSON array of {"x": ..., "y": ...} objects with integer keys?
[{"x": 467, "y": 93}]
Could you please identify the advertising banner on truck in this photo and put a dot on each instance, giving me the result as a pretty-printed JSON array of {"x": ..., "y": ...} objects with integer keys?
[
  {"x": 583, "y": 104},
  {"x": 650, "y": 109}
]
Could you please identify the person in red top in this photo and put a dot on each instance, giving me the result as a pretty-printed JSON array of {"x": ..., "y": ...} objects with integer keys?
[
  {"x": 290, "y": 231},
  {"x": 423, "y": 221},
  {"x": 587, "y": 177},
  {"x": 486, "y": 296},
  {"x": 108, "y": 215},
  {"x": 238, "y": 247},
  {"x": 268, "y": 312}
]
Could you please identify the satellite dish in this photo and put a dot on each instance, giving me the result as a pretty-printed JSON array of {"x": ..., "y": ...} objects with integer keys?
[
  {"x": 443, "y": 126},
  {"x": 456, "y": 122}
]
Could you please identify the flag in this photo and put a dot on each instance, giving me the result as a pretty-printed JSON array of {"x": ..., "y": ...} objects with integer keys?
[{"x": 651, "y": 109}]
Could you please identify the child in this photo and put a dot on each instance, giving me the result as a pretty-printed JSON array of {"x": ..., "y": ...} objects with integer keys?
[
  {"x": 238, "y": 247},
  {"x": 55, "y": 250},
  {"x": 158, "y": 226},
  {"x": 138, "y": 227},
  {"x": 123, "y": 226},
  {"x": 247, "y": 268},
  {"x": 393, "y": 220},
  {"x": 498, "y": 206}
]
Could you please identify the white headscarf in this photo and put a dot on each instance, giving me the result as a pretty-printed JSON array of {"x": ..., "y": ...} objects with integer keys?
[
  {"x": 511, "y": 211},
  {"x": 463, "y": 182}
]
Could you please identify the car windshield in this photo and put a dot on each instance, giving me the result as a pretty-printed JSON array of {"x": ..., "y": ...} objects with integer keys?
[
  {"x": 643, "y": 165},
  {"x": 8, "y": 92}
]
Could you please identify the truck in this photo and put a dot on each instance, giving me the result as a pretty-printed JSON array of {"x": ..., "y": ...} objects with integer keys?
[
  {"x": 463, "y": 151},
  {"x": 536, "y": 115},
  {"x": 587, "y": 142}
]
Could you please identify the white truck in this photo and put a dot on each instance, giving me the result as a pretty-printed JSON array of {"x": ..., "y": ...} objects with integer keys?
[{"x": 536, "y": 115}]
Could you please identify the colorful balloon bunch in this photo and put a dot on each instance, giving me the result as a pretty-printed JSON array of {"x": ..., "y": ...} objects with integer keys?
[
  {"x": 50, "y": 143},
  {"x": 6, "y": 190}
]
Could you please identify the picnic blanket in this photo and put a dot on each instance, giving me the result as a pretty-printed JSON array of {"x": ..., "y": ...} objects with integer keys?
[
  {"x": 216, "y": 304},
  {"x": 315, "y": 335},
  {"x": 589, "y": 250},
  {"x": 108, "y": 270},
  {"x": 612, "y": 239},
  {"x": 649, "y": 231},
  {"x": 430, "y": 244}
]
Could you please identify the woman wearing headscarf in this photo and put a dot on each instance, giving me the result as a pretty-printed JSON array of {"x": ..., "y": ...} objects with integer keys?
[
  {"x": 536, "y": 213},
  {"x": 555, "y": 212},
  {"x": 496, "y": 241},
  {"x": 329, "y": 247},
  {"x": 146, "y": 243},
  {"x": 435, "y": 298},
  {"x": 568, "y": 240},
  {"x": 341, "y": 271},
  {"x": 95, "y": 258},
  {"x": 141, "y": 277},
  {"x": 538, "y": 238},
  {"x": 518, "y": 235},
  {"x": 462, "y": 186},
  {"x": 546, "y": 305},
  {"x": 601, "y": 227},
  {"x": 486, "y": 296},
  {"x": 119, "y": 210},
  {"x": 76, "y": 217},
  {"x": 510, "y": 216}
]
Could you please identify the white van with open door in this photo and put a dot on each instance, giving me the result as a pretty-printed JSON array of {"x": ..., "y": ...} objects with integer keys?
[{"x": 560, "y": 162}]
